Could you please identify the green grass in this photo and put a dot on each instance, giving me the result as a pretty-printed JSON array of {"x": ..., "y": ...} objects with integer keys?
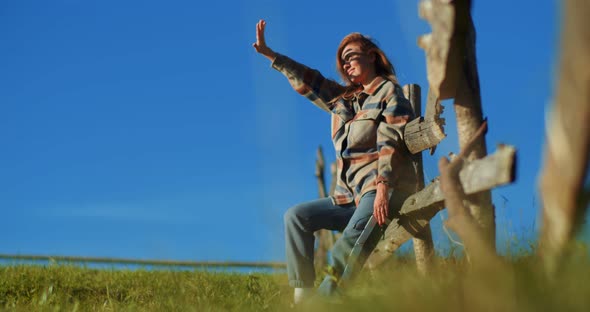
[
  {"x": 71, "y": 288},
  {"x": 453, "y": 285}
]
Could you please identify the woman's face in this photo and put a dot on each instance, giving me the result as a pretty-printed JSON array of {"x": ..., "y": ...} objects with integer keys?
[{"x": 358, "y": 66}]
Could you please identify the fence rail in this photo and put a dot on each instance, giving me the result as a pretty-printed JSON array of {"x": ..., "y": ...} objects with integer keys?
[{"x": 225, "y": 264}]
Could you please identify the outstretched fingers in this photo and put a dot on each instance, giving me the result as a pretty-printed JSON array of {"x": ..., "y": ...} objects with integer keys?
[
  {"x": 261, "y": 38},
  {"x": 260, "y": 44},
  {"x": 260, "y": 41}
]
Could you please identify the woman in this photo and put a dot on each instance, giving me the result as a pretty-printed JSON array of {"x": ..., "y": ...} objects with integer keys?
[{"x": 368, "y": 116}]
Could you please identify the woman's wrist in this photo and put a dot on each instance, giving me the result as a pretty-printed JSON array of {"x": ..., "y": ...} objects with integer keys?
[
  {"x": 382, "y": 185},
  {"x": 270, "y": 54}
]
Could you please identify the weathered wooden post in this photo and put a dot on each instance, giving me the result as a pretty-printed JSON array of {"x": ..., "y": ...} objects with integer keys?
[
  {"x": 450, "y": 56},
  {"x": 567, "y": 148},
  {"x": 423, "y": 244},
  {"x": 452, "y": 73},
  {"x": 324, "y": 238}
]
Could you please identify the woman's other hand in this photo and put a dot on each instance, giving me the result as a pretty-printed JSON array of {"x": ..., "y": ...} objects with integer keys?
[
  {"x": 260, "y": 44},
  {"x": 381, "y": 204}
]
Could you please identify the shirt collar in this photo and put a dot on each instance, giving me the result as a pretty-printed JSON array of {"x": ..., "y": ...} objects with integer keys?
[{"x": 374, "y": 86}]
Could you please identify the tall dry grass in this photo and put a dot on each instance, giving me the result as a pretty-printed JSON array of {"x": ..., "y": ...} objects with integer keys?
[{"x": 453, "y": 285}]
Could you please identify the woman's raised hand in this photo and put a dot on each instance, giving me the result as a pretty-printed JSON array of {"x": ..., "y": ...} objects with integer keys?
[{"x": 260, "y": 44}]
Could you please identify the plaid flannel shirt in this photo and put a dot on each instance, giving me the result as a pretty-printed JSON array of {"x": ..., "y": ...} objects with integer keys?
[{"x": 367, "y": 130}]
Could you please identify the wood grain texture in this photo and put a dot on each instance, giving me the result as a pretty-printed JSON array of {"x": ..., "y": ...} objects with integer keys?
[
  {"x": 476, "y": 176},
  {"x": 423, "y": 243}
]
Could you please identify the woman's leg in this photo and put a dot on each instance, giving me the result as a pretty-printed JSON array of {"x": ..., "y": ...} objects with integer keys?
[
  {"x": 344, "y": 245},
  {"x": 301, "y": 221}
]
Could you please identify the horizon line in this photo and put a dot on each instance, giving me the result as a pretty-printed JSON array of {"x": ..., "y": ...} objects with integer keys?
[{"x": 236, "y": 264}]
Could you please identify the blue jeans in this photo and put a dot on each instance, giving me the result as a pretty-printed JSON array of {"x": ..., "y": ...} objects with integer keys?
[{"x": 302, "y": 220}]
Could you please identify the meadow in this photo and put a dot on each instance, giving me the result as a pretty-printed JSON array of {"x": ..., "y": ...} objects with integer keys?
[{"x": 453, "y": 285}]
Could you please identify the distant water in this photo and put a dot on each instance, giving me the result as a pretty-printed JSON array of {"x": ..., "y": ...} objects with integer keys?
[{"x": 151, "y": 267}]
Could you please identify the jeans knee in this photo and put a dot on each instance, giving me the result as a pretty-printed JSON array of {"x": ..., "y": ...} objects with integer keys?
[
  {"x": 360, "y": 224},
  {"x": 354, "y": 230},
  {"x": 291, "y": 215}
]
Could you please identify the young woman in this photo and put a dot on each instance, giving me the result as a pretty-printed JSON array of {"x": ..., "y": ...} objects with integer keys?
[{"x": 374, "y": 168}]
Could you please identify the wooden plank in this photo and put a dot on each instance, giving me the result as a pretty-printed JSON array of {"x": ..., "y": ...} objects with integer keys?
[
  {"x": 416, "y": 212},
  {"x": 426, "y": 132},
  {"x": 421, "y": 125},
  {"x": 420, "y": 134}
]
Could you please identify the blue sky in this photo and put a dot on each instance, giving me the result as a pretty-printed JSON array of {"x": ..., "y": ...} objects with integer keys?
[{"x": 152, "y": 129}]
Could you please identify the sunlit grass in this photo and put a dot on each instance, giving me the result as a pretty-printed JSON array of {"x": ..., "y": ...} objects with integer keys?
[
  {"x": 453, "y": 285},
  {"x": 61, "y": 288}
]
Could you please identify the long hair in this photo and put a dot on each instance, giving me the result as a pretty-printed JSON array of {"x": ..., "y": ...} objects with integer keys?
[{"x": 383, "y": 66}]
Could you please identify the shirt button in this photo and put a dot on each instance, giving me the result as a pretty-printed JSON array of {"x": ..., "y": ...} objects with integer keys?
[{"x": 365, "y": 116}]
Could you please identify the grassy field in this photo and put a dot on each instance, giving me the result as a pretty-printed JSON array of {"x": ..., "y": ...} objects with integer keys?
[{"x": 452, "y": 286}]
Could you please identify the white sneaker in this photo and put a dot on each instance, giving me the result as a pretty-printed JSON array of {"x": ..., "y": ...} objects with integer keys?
[{"x": 302, "y": 294}]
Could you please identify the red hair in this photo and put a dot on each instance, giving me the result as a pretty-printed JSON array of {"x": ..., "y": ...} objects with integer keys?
[{"x": 383, "y": 66}]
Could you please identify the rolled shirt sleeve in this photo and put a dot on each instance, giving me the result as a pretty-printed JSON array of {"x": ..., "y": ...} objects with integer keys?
[
  {"x": 390, "y": 145},
  {"x": 309, "y": 82}
]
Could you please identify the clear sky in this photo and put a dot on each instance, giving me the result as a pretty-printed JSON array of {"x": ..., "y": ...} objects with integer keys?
[{"x": 152, "y": 129}]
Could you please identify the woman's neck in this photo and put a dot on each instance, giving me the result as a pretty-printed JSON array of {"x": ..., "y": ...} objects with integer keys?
[{"x": 369, "y": 81}]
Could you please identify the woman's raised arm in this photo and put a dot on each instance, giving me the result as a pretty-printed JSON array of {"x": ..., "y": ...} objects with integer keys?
[{"x": 306, "y": 81}]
